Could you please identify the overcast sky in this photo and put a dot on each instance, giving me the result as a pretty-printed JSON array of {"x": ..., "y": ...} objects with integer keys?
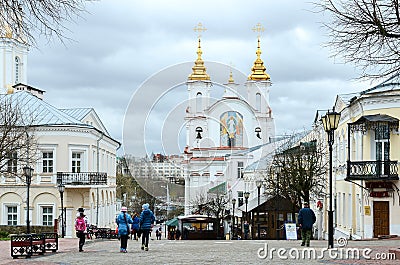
[{"x": 119, "y": 45}]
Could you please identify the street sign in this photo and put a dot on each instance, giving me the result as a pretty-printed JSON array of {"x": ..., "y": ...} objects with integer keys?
[{"x": 291, "y": 231}]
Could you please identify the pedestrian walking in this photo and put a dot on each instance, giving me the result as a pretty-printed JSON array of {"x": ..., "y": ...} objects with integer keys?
[
  {"x": 246, "y": 228},
  {"x": 158, "y": 233},
  {"x": 306, "y": 220},
  {"x": 80, "y": 228},
  {"x": 135, "y": 226},
  {"x": 146, "y": 224},
  {"x": 123, "y": 221}
]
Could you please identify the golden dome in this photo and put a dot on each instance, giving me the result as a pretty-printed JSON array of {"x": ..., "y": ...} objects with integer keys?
[
  {"x": 199, "y": 70},
  {"x": 258, "y": 70}
]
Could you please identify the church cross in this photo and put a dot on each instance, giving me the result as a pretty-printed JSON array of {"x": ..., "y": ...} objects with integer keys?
[
  {"x": 199, "y": 28},
  {"x": 258, "y": 28}
]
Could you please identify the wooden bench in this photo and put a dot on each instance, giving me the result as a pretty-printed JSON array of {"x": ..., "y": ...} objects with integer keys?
[
  {"x": 26, "y": 245},
  {"x": 50, "y": 241}
]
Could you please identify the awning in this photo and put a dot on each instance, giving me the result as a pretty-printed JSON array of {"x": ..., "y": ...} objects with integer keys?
[
  {"x": 371, "y": 122},
  {"x": 219, "y": 189},
  {"x": 172, "y": 222}
]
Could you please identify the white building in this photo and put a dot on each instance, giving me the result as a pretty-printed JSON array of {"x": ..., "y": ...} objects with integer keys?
[
  {"x": 73, "y": 148},
  {"x": 224, "y": 137}
]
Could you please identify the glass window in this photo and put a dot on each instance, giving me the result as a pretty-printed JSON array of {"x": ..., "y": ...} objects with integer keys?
[
  {"x": 47, "y": 215},
  {"x": 17, "y": 66},
  {"x": 47, "y": 159},
  {"x": 12, "y": 162},
  {"x": 76, "y": 162},
  {"x": 12, "y": 215},
  {"x": 240, "y": 170},
  {"x": 240, "y": 198}
]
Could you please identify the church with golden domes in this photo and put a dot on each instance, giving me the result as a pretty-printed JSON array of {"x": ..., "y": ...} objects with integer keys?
[{"x": 228, "y": 135}]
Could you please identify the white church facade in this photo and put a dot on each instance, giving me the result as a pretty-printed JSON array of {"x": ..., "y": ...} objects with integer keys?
[{"x": 224, "y": 137}]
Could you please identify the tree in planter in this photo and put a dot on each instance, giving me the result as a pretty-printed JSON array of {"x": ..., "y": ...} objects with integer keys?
[
  {"x": 298, "y": 171},
  {"x": 366, "y": 33}
]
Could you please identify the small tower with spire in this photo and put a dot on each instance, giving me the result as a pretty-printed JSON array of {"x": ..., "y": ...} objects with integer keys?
[
  {"x": 258, "y": 84},
  {"x": 13, "y": 58},
  {"x": 231, "y": 87},
  {"x": 199, "y": 88}
]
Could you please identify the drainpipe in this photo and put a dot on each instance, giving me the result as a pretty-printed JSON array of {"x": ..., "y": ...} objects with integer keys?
[{"x": 97, "y": 186}]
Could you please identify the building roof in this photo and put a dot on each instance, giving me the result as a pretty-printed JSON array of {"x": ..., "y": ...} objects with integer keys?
[
  {"x": 39, "y": 112},
  {"x": 77, "y": 113}
]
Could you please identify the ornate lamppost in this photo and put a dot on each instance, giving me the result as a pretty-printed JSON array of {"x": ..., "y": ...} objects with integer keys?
[
  {"x": 258, "y": 184},
  {"x": 28, "y": 171},
  {"x": 61, "y": 189},
  {"x": 233, "y": 214},
  {"x": 330, "y": 122}
]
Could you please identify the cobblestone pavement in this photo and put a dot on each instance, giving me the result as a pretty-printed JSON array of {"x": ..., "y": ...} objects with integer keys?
[{"x": 204, "y": 252}]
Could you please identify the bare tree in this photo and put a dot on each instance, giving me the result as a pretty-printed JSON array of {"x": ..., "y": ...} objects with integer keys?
[
  {"x": 29, "y": 18},
  {"x": 298, "y": 171},
  {"x": 366, "y": 33},
  {"x": 18, "y": 146}
]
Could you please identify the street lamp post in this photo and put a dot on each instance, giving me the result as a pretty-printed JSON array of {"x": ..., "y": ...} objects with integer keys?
[
  {"x": 233, "y": 214},
  {"x": 28, "y": 171},
  {"x": 330, "y": 122},
  {"x": 61, "y": 189},
  {"x": 246, "y": 201},
  {"x": 258, "y": 184}
]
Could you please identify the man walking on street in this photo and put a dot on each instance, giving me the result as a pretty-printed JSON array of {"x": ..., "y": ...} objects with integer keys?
[{"x": 306, "y": 220}]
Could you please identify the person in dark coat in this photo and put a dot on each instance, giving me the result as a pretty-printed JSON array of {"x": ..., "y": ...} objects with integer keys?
[
  {"x": 123, "y": 221},
  {"x": 135, "y": 227},
  {"x": 306, "y": 220},
  {"x": 147, "y": 219}
]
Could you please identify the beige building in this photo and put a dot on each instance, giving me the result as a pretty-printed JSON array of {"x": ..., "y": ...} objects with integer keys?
[
  {"x": 71, "y": 147},
  {"x": 365, "y": 163}
]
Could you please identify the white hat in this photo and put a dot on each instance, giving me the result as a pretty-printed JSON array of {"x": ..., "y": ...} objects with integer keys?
[{"x": 124, "y": 209}]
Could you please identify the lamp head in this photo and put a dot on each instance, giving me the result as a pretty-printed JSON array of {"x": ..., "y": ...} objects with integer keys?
[
  {"x": 258, "y": 183},
  {"x": 330, "y": 121},
  {"x": 233, "y": 201},
  {"x": 246, "y": 195},
  {"x": 61, "y": 188}
]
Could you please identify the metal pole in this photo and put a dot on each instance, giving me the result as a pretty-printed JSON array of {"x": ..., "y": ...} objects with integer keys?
[
  {"x": 62, "y": 215},
  {"x": 233, "y": 223},
  {"x": 330, "y": 212},
  {"x": 28, "y": 227},
  {"x": 258, "y": 212}
]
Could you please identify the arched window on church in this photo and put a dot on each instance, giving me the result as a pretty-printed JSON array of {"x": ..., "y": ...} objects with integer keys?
[
  {"x": 199, "y": 98},
  {"x": 17, "y": 69},
  {"x": 258, "y": 101}
]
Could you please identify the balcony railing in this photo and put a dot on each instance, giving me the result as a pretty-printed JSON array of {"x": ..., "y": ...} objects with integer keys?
[
  {"x": 82, "y": 178},
  {"x": 372, "y": 170}
]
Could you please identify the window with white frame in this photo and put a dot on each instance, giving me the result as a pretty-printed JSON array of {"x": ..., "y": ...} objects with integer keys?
[
  {"x": 240, "y": 169},
  {"x": 76, "y": 162},
  {"x": 47, "y": 161},
  {"x": 17, "y": 69},
  {"x": 12, "y": 162},
  {"x": 240, "y": 198},
  {"x": 47, "y": 215},
  {"x": 12, "y": 215}
]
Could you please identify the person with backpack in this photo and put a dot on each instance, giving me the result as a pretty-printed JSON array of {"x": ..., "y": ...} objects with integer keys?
[
  {"x": 147, "y": 219},
  {"x": 123, "y": 221},
  {"x": 80, "y": 227}
]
